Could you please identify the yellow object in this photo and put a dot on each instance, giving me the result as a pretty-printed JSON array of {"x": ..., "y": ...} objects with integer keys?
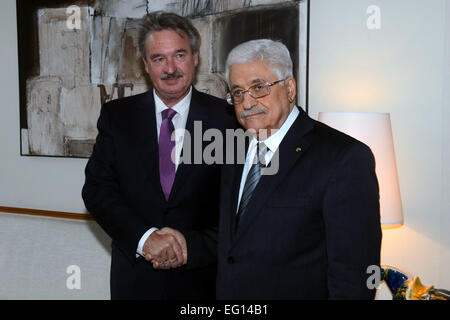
[{"x": 417, "y": 291}]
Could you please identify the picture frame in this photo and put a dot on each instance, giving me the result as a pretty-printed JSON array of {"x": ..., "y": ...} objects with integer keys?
[{"x": 76, "y": 55}]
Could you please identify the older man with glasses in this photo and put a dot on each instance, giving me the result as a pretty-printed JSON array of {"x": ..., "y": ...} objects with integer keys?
[{"x": 311, "y": 229}]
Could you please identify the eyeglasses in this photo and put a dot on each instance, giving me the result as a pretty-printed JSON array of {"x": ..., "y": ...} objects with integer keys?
[{"x": 256, "y": 91}]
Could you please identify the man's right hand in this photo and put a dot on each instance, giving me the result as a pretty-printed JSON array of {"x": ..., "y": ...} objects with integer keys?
[{"x": 164, "y": 247}]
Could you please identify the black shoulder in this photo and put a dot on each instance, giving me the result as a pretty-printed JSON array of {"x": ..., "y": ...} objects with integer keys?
[
  {"x": 128, "y": 103},
  {"x": 205, "y": 98},
  {"x": 336, "y": 140},
  {"x": 217, "y": 109}
]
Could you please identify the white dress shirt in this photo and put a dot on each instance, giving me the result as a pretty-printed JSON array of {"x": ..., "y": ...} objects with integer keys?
[
  {"x": 179, "y": 123},
  {"x": 272, "y": 143}
]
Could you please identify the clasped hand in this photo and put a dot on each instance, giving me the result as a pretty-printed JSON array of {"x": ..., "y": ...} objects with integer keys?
[{"x": 166, "y": 249}]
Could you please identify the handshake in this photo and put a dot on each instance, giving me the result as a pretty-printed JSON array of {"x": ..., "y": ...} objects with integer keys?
[{"x": 166, "y": 249}]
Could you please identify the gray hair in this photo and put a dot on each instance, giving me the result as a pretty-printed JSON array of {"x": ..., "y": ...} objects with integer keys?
[
  {"x": 160, "y": 20},
  {"x": 275, "y": 53}
]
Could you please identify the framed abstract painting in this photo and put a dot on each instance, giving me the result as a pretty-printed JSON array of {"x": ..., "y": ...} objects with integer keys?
[{"x": 76, "y": 55}]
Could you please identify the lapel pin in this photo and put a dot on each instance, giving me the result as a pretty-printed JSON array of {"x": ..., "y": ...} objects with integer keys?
[{"x": 298, "y": 149}]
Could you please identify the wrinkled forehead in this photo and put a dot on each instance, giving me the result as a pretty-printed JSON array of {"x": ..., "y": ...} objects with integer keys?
[
  {"x": 251, "y": 83},
  {"x": 250, "y": 73}
]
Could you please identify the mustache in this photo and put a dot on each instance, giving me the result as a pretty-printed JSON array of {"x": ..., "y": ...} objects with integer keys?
[
  {"x": 167, "y": 76},
  {"x": 252, "y": 111}
]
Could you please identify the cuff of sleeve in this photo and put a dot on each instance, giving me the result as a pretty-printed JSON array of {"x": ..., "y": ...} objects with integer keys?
[{"x": 142, "y": 242}]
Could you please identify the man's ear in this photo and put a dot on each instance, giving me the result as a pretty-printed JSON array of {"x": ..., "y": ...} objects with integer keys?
[
  {"x": 196, "y": 59},
  {"x": 291, "y": 85},
  {"x": 145, "y": 64}
]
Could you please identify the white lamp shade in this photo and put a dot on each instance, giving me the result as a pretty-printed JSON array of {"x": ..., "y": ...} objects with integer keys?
[{"x": 374, "y": 129}]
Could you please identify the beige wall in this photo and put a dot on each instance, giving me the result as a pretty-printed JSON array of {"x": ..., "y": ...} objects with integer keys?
[
  {"x": 402, "y": 69},
  {"x": 35, "y": 252},
  {"x": 444, "y": 252}
]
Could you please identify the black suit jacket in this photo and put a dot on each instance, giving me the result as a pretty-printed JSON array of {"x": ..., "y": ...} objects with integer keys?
[
  {"x": 311, "y": 230},
  {"x": 123, "y": 192}
]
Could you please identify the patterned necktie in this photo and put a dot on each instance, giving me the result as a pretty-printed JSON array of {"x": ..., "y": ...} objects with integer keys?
[
  {"x": 166, "y": 145},
  {"x": 252, "y": 180}
]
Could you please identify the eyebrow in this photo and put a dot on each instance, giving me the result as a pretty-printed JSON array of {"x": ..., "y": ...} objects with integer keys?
[
  {"x": 153, "y": 56},
  {"x": 254, "y": 81},
  {"x": 156, "y": 55},
  {"x": 257, "y": 80}
]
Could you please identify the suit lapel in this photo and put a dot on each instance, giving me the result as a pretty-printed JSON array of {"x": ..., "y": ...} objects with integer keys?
[
  {"x": 146, "y": 124},
  {"x": 197, "y": 113},
  {"x": 291, "y": 149},
  {"x": 237, "y": 176}
]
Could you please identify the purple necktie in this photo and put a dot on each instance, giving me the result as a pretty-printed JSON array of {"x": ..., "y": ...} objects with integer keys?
[{"x": 166, "y": 145}]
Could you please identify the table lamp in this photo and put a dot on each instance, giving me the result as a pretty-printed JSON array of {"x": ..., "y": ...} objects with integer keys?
[{"x": 374, "y": 129}]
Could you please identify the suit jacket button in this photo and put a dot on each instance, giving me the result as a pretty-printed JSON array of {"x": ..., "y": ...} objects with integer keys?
[{"x": 231, "y": 260}]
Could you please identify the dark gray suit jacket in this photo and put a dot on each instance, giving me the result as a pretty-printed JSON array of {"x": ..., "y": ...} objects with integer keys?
[
  {"x": 311, "y": 230},
  {"x": 123, "y": 192}
]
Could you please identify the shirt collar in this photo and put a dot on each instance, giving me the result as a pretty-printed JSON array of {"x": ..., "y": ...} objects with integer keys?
[
  {"x": 274, "y": 141},
  {"x": 181, "y": 107}
]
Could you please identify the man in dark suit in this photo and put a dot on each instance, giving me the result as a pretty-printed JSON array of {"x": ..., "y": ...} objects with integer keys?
[
  {"x": 299, "y": 219},
  {"x": 160, "y": 209}
]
